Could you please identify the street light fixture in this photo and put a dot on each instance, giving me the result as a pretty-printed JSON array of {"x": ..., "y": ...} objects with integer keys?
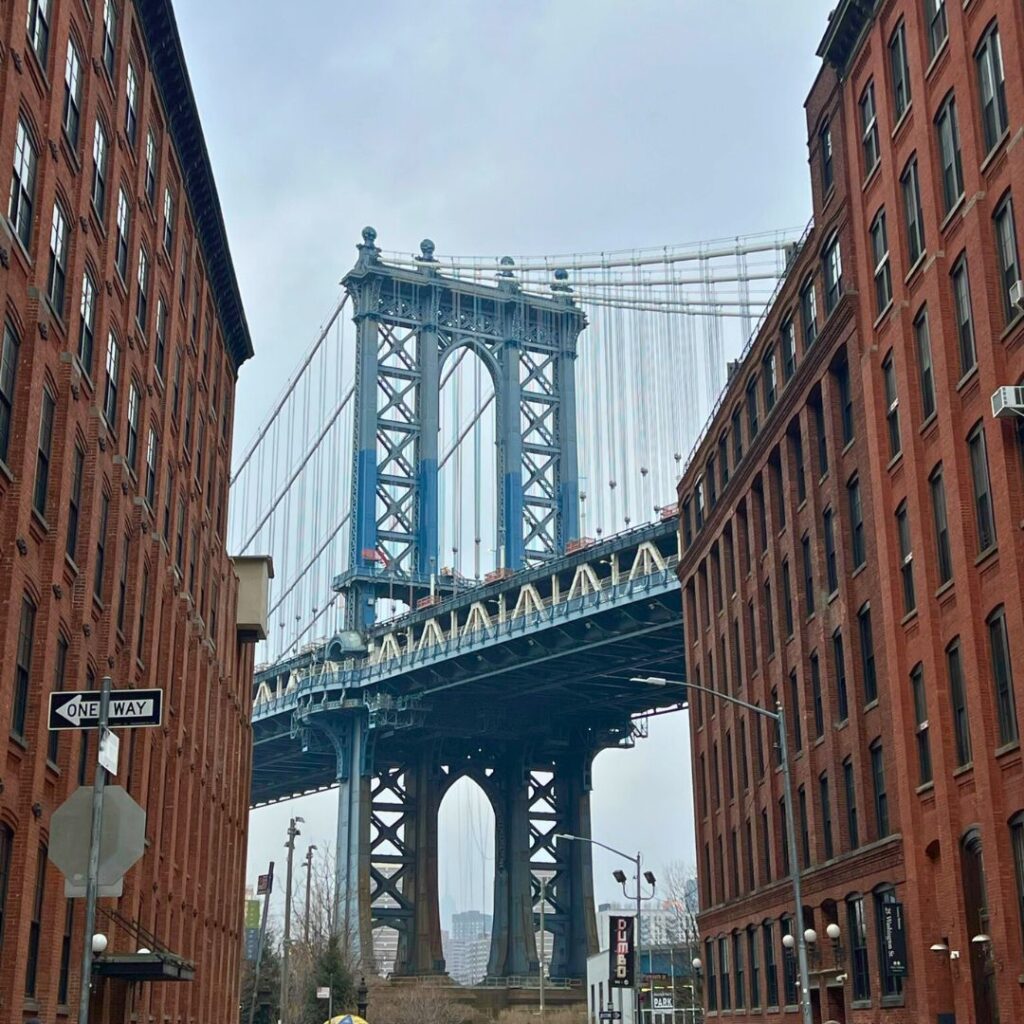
[
  {"x": 779, "y": 718},
  {"x": 620, "y": 877}
]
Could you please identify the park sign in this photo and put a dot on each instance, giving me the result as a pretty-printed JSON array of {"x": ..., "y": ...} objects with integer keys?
[
  {"x": 129, "y": 709},
  {"x": 622, "y": 951}
]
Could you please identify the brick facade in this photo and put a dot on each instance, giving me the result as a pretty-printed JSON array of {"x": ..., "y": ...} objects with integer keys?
[
  {"x": 878, "y": 433},
  {"x": 142, "y": 588}
]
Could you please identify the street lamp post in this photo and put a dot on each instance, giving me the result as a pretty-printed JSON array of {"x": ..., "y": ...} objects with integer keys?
[
  {"x": 293, "y": 831},
  {"x": 779, "y": 718},
  {"x": 621, "y": 878}
]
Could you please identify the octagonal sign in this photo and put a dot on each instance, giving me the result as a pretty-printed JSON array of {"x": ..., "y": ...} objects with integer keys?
[{"x": 122, "y": 839}]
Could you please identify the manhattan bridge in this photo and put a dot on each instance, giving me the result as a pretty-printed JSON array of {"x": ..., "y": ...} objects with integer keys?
[{"x": 468, "y": 490}]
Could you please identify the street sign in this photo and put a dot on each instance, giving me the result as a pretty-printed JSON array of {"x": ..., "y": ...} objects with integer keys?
[
  {"x": 109, "y": 748},
  {"x": 622, "y": 953},
  {"x": 894, "y": 940},
  {"x": 264, "y": 884},
  {"x": 661, "y": 1002},
  {"x": 323, "y": 992},
  {"x": 122, "y": 839},
  {"x": 610, "y": 1015},
  {"x": 129, "y": 709}
]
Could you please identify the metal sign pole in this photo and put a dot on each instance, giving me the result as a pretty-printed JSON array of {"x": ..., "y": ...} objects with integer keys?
[
  {"x": 92, "y": 877},
  {"x": 259, "y": 943}
]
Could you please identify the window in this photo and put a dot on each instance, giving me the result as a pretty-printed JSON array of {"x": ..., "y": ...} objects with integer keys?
[
  {"x": 1009, "y": 264},
  {"x": 1016, "y": 842},
  {"x": 75, "y": 502},
  {"x": 99, "y": 169},
  {"x": 857, "y": 545},
  {"x": 900, "y": 71},
  {"x": 992, "y": 87},
  {"x": 123, "y": 226},
  {"x": 8, "y": 373},
  {"x": 839, "y": 670},
  {"x": 109, "y": 26},
  {"x": 827, "y": 173},
  {"x": 142, "y": 298},
  {"x": 878, "y": 783},
  {"x": 906, "y": 559},
  {"x": 131, "y": 99},
  {"x": 912, "y": 212},
  {"x": 709, "y": 964},
  {"x": 805, "y": 835},
  {"x": 882, "y": 272},
  {"x": 57, "y": 273},
  {"x": 36, "y": 925},
  {"x": 787, "y": 342},
  {"x": 752, "y": 424},
  {"x": 819, "y": 430},
  {"x": 788, "y": 964},
  {"x": 787, "y": 599},
  {"x": 869, "y": 128},
  {"x": 132, "y": 445},
  {"x": 65, "y": 951},
  {"x": 739, "y": 987},
  {"x": 168, "y": 221},
  {"x": 771, "y": 978},
  {"x": 832, "y": 268},
  {"x": 766, "y": 846},
  {"x": 826, "y": 816},
  {"x": 794, "y": 712},
  {"x": 122, "y": 583},
  {"x": 168, "y": 499},
  {"x": 752, "y": 633},
  {"x": 982, "y": 491},
  {"x": 841, "y": 372},
  {"x": 44, "y": 451},
  {"x": 924, "y": 748},
  {"x": 769, "y": 614},
  {"x": 964, "y": 316},
  {"x": 39, "y": 29},
  {"x": 160, "y": 347},
  {"x": 6, "y": 855},
  {"x": 944, "y": 559},
  {"x": 59, "y": 677},
  {"x": 831, "y": 571},
  {"x": 768, "y": 380},
  {"x": 1002, "y": 677},
  {"x": 72, "y": 94},
  {"x": 752, "y": 959},
  {"x": 150, "y": 166},
  {"x": 184, "y": 271},
  {"x": 744, "y": 765},
  {"x": 730, "y": 775},
  {"x": 23, "y": 666},
  {"x": 935, "y": 13},
  {"x": 851, "y": 804},
  {"x": 737, "y": 437},
  {"x": 723, "y": 974},
  {"x": 858, "y": 948},
  {"x": 179, "y": 544},
  {"x": 892, "y": 984},
  {"x": 87, "y": 316},
  {"x": 23, "y": 184},
  {"x": 947, "y": 126},
  {"x": 797, "y": 443},
  {"x": 924, "y": 362},
  {"x": 819, "y": 709},
  {"x": 892, "y": 406},
  {"x": 867, "y": 655},
  {"x": 101, "y": 547},
  {"x": 958, "y": 702},
  {"x": 113, "y": 371},
  {"x": 152, "y": 448}
]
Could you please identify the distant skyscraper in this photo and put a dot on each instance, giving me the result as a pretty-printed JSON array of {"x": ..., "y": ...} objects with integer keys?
[{"x": 468, "y": 947}]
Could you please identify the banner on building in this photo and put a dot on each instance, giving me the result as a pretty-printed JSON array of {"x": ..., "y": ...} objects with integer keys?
[
  {"x": 252, "y": 914},
  {"x": 622, "y": 950},
  {"x": 894, "y": 939}
]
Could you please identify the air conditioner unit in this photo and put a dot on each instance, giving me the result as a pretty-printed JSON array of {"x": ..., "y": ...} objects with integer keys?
[
  {"x": 1017, "y": 294},
  {"x": 1008, "y": 401}
]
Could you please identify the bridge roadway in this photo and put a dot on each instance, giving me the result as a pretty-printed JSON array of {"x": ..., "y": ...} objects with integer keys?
[{"x": 517, "y": 683}]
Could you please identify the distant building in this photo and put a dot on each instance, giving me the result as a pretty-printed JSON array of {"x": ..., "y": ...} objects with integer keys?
[
  {"x": 468, "y": 947},
  {"x": 660, "y": 925}
]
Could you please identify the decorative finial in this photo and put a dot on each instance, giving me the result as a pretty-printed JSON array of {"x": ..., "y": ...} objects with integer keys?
[
  {"x": 369, "y": 235},
  {"x": 427, "y": 251},
  {"x": 561, "y": 282},
  {"x": 506, "y": 263}
]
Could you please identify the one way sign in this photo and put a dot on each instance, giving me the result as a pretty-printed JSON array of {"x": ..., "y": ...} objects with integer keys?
[{"x": 80, "y": 709}]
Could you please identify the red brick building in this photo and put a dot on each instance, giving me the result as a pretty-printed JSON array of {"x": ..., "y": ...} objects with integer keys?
[
  {"x": 851, "y": 526},
  {"x": 122, "y": 335}
]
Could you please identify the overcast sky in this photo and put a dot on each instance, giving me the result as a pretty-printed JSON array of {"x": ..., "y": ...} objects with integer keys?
[{"x": 525, "y": 127}]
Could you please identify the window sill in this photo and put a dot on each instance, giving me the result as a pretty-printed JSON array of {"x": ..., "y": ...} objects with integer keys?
[
  {"x": 945, "y": 588},
  {"x": 953, "y": 211},
  {"x": 831, "y": 597},
  {"x": 894, "y": 461},
  {"x": 963, "y": 770},
  {"x": 848, "y": 445},
  {"x": 1007, "y": 748},
  {"x": 937, "y": 57},
  {"x": 995, "y": 151},
  {"x": 841, "y": 725},
  {"x": 909, "y": 617},
  {"x": 6, "y": 471},
  {"x": 871, "y": 705},
  {"x": 882, "y": 315},
  {"x": 930, "y": 419},
  {"x": 18, "y": 740},
  {"x": 968, "y": 377},
  {"x": 990, "y": 552},
  {"x": 915, "y": 268},
  {"x": 860, "y": 1004},
  {"x": 871, "y": 175},
  {"x": 40, "y": 520},
  {"x": 1012, "y": 325},
  {"x": 904, "y": 117},
  {"x": 860, "y": 568},
  {"x": 925, "y": 787},
  {"x": 889, "y": 1002}
]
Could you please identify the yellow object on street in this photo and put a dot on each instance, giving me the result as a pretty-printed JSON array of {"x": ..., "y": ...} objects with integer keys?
[{"x": 346, "y": 1018}]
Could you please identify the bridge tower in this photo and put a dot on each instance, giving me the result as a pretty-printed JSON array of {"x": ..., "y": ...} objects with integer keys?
[{"x": 409, "y": 321}]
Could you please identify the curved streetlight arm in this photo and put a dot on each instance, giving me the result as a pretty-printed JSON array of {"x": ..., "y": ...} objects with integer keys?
[
  {"x": 604, "y": 846},
  {"x": 756, "y": 708}
]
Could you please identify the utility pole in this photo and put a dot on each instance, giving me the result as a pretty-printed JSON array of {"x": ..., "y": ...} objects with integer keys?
[
  {"x": 293, "y": 831},
  {"x": 309, "y": 879},
  {"x": 543, "y": 943},
  {"x": 259, "y": 945}
]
